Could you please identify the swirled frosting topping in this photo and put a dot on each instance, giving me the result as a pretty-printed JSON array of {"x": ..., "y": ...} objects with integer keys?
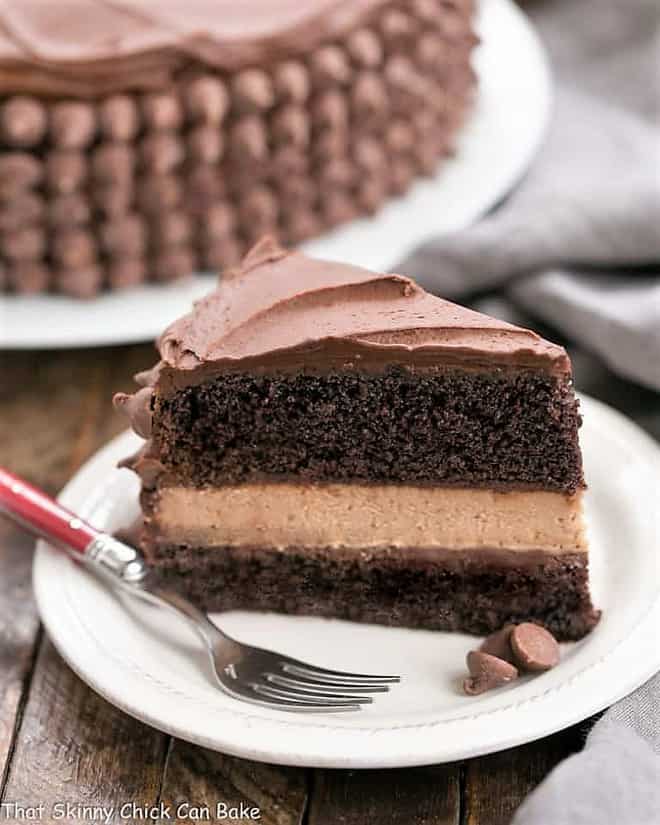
[
  {"x": 88, "y": 47},
  {"x": 282, "y": 310}
]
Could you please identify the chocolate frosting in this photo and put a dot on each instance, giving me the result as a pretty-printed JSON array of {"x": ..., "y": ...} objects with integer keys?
[
  {"x": 145, "y": 464},
  {"x": 282, "y": 311},
  {"x": 138, "y": 408},
  {"x": 93, "y": 47}
]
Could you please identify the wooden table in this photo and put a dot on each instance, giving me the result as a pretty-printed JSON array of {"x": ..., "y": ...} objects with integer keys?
[{"x": 60, "y": 742}]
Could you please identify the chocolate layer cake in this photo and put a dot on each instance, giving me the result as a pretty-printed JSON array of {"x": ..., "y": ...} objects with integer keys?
[
  {"x": 330, "y": 441},
  {"x": 140, "y": 141}
]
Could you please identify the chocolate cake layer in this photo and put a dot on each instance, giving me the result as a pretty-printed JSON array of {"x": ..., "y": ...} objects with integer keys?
[
  {"x": 471, "y": 591},
  {"x": 508, "y": 429},
  {"x": 174, "y": 144}
]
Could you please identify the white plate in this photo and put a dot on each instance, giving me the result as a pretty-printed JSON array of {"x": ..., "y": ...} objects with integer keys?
[
  {"x": 149, "y": 665},
  {"x": 495, "y": 148}
]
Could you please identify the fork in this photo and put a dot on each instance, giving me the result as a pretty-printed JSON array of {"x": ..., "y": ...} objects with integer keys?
[{"x": 248, "y": 673}]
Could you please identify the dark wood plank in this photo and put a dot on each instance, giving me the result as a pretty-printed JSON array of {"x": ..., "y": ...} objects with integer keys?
[
  {"x": 76, "y": 748},
  {"x": 56, "y": 407},
  {"x": 70, "y": 746},
  {"x": 496, "y": 785},
  {"x": 40, "y": 412},
  {"x": 414, "y": 796},
  {"x": 44, "y": 401},
  {"x": 18, "y": 634},
  {"x": 118, "y": 367},
  {"x": 205, "y": 779}
]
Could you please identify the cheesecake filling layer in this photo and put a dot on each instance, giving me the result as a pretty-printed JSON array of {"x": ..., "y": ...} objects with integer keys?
[{"x": 367, "y": 516}]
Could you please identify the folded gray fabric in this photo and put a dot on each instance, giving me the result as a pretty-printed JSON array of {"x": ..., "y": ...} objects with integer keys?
[
  {"x": 618, "y": 317},
  {"x": 590, "y": 202},
  {"x": 615, "y": 780}
]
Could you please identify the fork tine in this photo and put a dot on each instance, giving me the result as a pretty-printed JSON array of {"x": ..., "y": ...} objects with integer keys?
[
  {"x": 301, "y": 697},
  {"x": 317, "y": 686},
  {"x": 337, "y": 677},
  {"x": 244, "y": 691},
  {"x": 314, "y": 696}
]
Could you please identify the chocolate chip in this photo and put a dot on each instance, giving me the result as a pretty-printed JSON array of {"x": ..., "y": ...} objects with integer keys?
[
  {"x": 171, "y": 228},
  {"x": 18, "y": 170},
  {"x": 172, "y": 263},
  {"x": 369, "y": 95},
  {"x": 25, "y": 244},
  {"x": 205, "y": 144},
  {"x": 161, "y": 153},
  {"x": 113, "y": 163},
  {"x": 290, "y": 125},
  {"x": 74, "y": 248},
  {"x": 138, "y": 409},
  {"x": 23, "y": 121},
  {"x": 499, "y": 644},
  {"x": 248, "y": 138},
  {"x": 207, "y": 99},
  {"x": 28, "y": 277},
  {"x": 534, "y": 648},
  {"x": 252, "y": 91},
  {"x": 123, "y": 236},
  {"x": 487, "y": 672},
  {"x": 72, "y": 124},
  {"x": 23, "y": 209},
  {"x": 365, "y": 48},
  {"x": 81, "y": 283},
  {"x": 119, "y": 118},
  {"x": 291, "y": 82},
  {"x": 126, "y": 272},
  {"x": 330, "y": 66},
  {"x": 69, "y": 210},
  {"x": 162, "y": 111},
  {"x": 66, "y": 171}
]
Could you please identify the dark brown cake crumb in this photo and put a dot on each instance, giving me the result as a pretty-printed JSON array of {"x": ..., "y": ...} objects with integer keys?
[
  {"x": 465, "y": 592},
  {"x": 513, "y": 429}
]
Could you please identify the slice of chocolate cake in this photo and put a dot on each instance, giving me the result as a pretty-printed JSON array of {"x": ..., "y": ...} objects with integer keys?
[{"x": 330, "y": 441}]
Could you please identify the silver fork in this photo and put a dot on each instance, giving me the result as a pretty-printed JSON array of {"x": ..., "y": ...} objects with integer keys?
[{"x": 252, "y": 674}]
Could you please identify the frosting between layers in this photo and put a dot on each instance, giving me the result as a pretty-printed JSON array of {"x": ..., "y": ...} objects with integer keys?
[
  {"x": 101, "y": 46},
  {"x": 354, "y": 515}
]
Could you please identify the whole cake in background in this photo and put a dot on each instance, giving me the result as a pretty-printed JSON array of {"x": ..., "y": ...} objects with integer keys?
[
  {"x": 326, "y": 440},
  {"x": 141, "y": 141}
]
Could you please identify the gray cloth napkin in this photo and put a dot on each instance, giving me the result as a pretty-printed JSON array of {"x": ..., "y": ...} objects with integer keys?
[
  {"x": 578, "y": 242},
  {"x": 615, "y": 780},
  {"x": 578, "y": 246}
]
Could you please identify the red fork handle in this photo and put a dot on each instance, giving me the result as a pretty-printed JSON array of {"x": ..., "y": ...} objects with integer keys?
[{"x": 43, "y": 516}]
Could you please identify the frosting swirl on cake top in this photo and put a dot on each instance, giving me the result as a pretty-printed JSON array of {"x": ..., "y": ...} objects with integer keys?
[{"x": 283, "y": 310}]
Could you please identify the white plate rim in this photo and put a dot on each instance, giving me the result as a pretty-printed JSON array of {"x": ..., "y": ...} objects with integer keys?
[
  {"x": 636, "y": 656},
  {"x": 495, "y": 148}
]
